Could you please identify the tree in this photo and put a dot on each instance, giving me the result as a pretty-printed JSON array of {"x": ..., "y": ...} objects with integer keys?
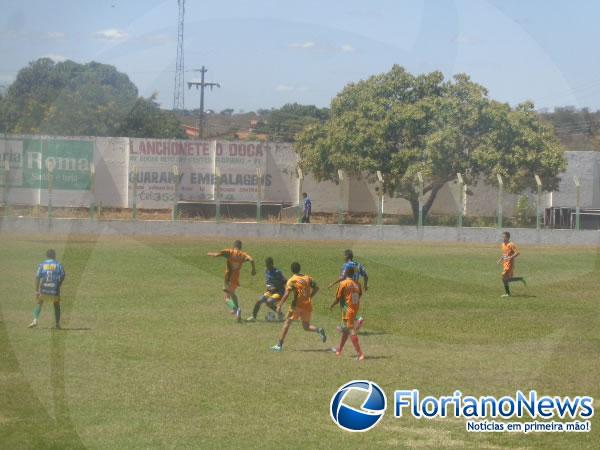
[
  {"x": 72, "y": 99},
  {"x": 147, "y": 120},
  {"x": 401, "y": 124}
]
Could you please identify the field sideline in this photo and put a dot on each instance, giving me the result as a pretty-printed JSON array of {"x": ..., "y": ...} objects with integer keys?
[{"x": 150, "y": 357}]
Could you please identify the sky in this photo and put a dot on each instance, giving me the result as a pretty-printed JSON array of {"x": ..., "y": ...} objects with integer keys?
[{"x": 266, "y": 53}]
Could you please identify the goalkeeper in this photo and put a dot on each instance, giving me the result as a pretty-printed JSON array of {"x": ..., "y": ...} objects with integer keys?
[{"x": 275, "y": 283}]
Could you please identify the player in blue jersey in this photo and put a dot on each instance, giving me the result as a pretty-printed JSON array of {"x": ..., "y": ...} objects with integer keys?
[
  {"x": 358, "y": 268},
  {"x": 50, "y": 276},
  {"x": 358, "y": 271},
  {"x": 275, "y": 283}
]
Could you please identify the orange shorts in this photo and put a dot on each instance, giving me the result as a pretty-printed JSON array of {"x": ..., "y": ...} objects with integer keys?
[
  {"x": 303, "y": 313},
  {"x": 507, "y": 272},
  {"x": 349, "y": 315}
]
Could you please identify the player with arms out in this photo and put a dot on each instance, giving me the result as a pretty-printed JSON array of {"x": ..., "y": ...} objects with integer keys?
[
  {"x": 509, "y": 253},
  {"x": 348, "y": 296},
  {"x": 275, "y": 283},
  {"x": 304, "y": 289},
  {"x": 359, "y": 271},
  {"x": 48, "y": 280},
  {"x": 235, "y": 260}
]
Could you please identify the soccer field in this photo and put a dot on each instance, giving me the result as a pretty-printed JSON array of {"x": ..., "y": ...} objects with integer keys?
[{"x": 149, "y": 356}]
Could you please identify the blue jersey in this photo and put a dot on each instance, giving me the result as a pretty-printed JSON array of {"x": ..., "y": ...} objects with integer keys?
[
  {"x": 51, "y": 275},
  {"x": 307, "y": 206},
  {"x": 359, "y": 270},
  {"x": 275, "y": 278}
]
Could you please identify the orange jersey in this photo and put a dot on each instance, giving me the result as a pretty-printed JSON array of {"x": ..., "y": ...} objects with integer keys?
[
  {"x": 508, "y": 250},
  {"x": 301, "y": 286},
  {"x": 235, "y": 259},
  {"x": 348, "y": 293}
]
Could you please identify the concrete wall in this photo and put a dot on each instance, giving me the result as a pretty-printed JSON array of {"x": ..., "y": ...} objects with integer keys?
[
  {"x": 112, "y": 158},
  {"x": 317, "y": 232},
  {"x": 586, "y": 166}
]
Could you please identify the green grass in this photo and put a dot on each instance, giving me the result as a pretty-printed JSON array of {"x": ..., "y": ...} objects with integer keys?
[{"x": 150, "y": 357}]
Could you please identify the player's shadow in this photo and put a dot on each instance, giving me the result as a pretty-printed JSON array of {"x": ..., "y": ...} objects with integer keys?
[
  {"x": 314, "y": 350},
  {"x": 69, "y": 329},
  {"x": 372, "y": 333},
  {"x": 523, "y": 296},
  {"x": 376, "y": 357}
]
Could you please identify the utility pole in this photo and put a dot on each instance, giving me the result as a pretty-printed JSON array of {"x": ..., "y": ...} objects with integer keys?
[{"x": 201, "y": 85}]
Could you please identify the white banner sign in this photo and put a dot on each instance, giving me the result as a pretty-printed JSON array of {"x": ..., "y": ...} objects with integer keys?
[{"x": 196, "y": 162}]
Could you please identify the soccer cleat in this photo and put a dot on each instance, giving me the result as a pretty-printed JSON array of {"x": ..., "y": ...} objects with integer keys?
[
  {"x": 276, "y": 348},
  {"x": 33, "y": 324},
  {"x": 505, "y": 295},
  {"x": 251, "y": 319},
  {"x": 322, "y": 335},
  {"x": 360, "y": 357},
  {"x": 524, "y": 282},
  {"x": 57, "y": 327}
]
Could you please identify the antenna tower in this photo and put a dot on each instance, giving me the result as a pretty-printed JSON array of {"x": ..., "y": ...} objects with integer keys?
[{"x": 179, "y": 91}]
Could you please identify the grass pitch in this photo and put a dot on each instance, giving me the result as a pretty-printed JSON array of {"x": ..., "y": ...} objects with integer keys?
[{"x": 150, "y": 358}]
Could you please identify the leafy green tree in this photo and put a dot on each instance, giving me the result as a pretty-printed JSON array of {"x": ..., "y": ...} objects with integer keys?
[
  {"x": 146, "y": 119},
  {"x": 402, "y": 124},
  {"x": 68, "y": 98}
]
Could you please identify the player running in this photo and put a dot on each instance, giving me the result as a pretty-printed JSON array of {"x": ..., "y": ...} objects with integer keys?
[
  {"x": 50, "y": 276},
  {"x": 304, "y": 288},
  {"x": 235, "y": 260},
  {"x": 509, "y": 253},
  {"x": 275, "y": 282},
  {"x": 348, "y": 296},
  {"x": 359, "y": 271}
]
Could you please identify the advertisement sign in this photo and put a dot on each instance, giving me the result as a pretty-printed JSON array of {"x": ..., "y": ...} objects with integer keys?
[{"x": 152, "y": 161}]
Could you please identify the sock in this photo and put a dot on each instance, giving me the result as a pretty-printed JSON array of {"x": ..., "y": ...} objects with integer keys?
[
  {"x": 354, "y": 339},
  {"x": 36, "y": 311},
  {"x": 235, "y": 300},
  {"x": 506, "y": 288},
  {"x": 57, "y": 313},
  {"x": 231, "y": 304},
  {"x": 343, "y": 341},
  {"x": 257, "y": 308}
]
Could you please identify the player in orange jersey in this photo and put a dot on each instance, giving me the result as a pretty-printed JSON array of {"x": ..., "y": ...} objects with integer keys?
[
  {"x": 509, "y": 253},
  {"x": 304, "y": 289},
  {"x": 348, "y": 295},
  {"x": 235, "y": 260}
]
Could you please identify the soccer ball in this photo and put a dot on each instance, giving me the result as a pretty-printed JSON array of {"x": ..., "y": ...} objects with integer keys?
[{"x": 271, "y": 317}]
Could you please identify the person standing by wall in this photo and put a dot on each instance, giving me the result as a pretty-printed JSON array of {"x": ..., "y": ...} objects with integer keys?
[{"x": 307, "y": 208}]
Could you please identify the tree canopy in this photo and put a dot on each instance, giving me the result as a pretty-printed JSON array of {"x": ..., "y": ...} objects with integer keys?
[
  {"x": 402, "y": 124},
  {"x": 67, "y": 98}
]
